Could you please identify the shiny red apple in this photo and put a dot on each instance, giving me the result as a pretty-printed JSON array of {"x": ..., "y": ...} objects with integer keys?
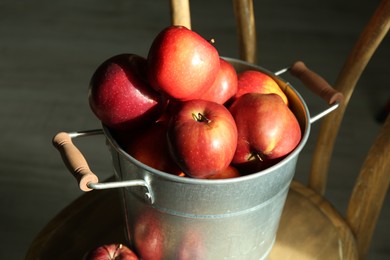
[
  {"x": 224, "y": 86},
  {"x": 253, "y": 81},
  {"x": 111, "y": 252},
  {"x": 202, "y": 137},
  {"x": 181, "y": 63},
  {"x": 119, "y": 94},
  {"x": 267, "y": 130},
  {"x": 150, "y": 147},
  {"x": 227, "y": 173}
]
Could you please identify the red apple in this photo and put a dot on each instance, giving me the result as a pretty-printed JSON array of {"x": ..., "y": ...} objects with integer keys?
[
  {"x": 267, "y": 129},
  {"x": 119, "y": 94},
  {"x": 151, "y": 148},
  {"x": 182, "y": 64},
  {"x": 224, "y": 86},
  {"x": 202, "y": 137},
  {"x": 171, "y": 107},
  {"x": 228, "y": 172},
  {"x": 111, "y": 252},
  {"x": 252, "y": 81},
  {"x": 148, "y": 236}
]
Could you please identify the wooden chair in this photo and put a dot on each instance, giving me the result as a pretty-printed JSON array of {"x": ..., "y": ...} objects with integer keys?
[
  {"x": 306, "y": 206},
  {"x": 373, "y": 180},
  {"x": 310, "y": 228}
]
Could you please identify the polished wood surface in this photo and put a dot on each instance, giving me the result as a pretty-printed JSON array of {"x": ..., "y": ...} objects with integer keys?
[{"x": 96, "y": 218}]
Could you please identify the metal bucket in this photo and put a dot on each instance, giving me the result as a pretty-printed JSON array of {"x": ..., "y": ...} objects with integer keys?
[{"x": 172, "y": 217}]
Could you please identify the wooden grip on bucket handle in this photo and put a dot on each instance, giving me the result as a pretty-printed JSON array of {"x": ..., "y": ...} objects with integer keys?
[
  {"x": 74, "y": 160},
  {"x": 78, "y": 166},
  {"x": 316, "y": 83}
]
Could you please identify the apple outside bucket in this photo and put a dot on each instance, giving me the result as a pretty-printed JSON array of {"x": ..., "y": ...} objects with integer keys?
[{"x": 172, "y": 217}]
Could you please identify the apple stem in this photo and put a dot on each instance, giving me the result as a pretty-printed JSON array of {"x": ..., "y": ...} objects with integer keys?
[
  {"x": 200, "y": 118},
  {"x": 255, "y": 156},
  {"x": 258, "y": 157},
  {"x": 116, "y": 251}
]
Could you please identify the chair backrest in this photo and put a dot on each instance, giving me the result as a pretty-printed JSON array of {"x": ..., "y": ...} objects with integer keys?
[
  {"x": 245, "y": 19},
  {"x": 373, "y": 181},
  {"x": 348, "y": 77}
]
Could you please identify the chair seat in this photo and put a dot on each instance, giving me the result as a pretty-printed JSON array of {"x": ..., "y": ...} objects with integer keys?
[{"x": 309, "y": 229}]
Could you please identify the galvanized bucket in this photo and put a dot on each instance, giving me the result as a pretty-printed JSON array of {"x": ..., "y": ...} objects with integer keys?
[{"x": 172, "y": 217}]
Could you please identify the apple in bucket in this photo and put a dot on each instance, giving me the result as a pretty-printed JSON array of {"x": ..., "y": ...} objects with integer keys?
[
  {"x": 267, "y": 131},
  {"x": 227, "y": 173},
  {"x": 202, "y": 137},
  {"x": 253, "y": 81},
  {"x": 119, "y": 94},
  {"x": 150, "y": 146},
  {"x": 181, "y": 63},
  {"x": 224, "y": 86}
]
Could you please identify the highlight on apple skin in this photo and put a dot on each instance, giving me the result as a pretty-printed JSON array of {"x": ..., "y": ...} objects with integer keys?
[
  {"x": 119, "y": 94},
  {"x": 267, "y": 131},
  {"x": 202, "y": 137},
  {"x": 181, "y": 63}
]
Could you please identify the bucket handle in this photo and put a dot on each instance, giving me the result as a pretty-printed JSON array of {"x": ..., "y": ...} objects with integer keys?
[
  {"x": 78, "y": 166},
  {"x": 317, "y": 84}
]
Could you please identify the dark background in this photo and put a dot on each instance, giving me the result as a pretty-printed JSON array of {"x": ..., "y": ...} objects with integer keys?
[{"x": 49, "y": 50}]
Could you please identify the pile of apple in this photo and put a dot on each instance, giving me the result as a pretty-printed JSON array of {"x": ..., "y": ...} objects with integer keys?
[{"x": 186, "y": 111}]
